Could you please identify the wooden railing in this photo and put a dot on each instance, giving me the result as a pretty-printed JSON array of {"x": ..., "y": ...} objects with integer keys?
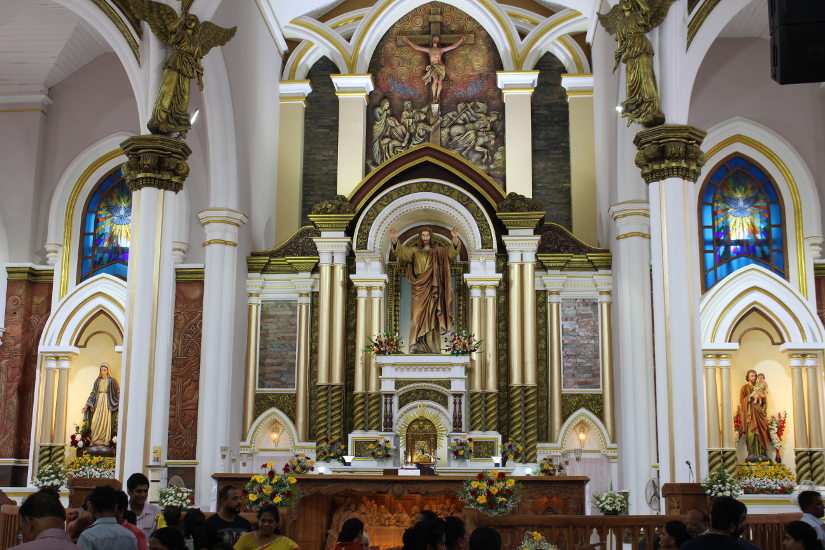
[{"x": 566, "y": 532}]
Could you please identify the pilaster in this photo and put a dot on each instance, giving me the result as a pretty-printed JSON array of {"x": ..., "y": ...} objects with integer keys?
[
  {"x": 290, "y": 157},
  {"x": 517, "y": 89},
  {"x": 583, "y": 195},
  {"x": 352, "y": 91}
]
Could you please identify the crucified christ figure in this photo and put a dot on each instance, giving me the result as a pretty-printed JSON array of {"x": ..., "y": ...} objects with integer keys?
[{"x": 436, "y": 72}]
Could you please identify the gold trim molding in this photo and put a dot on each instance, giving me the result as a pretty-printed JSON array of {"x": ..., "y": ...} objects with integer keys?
[
  {"x": 670, "y": 151},
  {"x": 155, "y": 161},
  {"x": 189, "y": 274},
  {"x": 30, "y": 274},
  {"x": 116, "y": 20},
  {"x": 632, "y": 234}
]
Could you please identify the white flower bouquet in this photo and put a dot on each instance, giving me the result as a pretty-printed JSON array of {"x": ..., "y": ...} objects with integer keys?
[
  {"x": 50, "y": 476},
  {"x": 533, "y": 540},
  {"x": 721, "y": 484},
  {"x": 176, "y": 497},
  {"x": 611, "y": 502}
]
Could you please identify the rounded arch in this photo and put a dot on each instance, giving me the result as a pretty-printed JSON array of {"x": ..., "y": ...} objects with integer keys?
[
  {"x": 595, "y": 427},
  {"x": 755, "y": 288},
  {"x": 74, "y": 185},
  {"x": 790, "y": 173},
  {"x": 552, "y": 35},
  {"x": 265, "y": 420},
  {"x": 102, "y": 293}
]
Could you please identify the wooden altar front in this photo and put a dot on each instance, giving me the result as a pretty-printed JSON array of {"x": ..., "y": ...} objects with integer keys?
[{"x": 388, "y": 504}]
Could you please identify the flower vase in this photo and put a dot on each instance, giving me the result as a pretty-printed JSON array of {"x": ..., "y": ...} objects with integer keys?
[{"x": 610, "y": 513}]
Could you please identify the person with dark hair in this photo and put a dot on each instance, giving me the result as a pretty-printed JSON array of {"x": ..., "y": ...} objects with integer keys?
[
  {"x": 698, "y": 521},
  {"x": 485, "y": 538},
  {"x": 227, "y": 525},
  {"x": 268, "y": 534},
  {"x": 122, "y": 505},
  {"x": 193, "y": 531},
  {"x": 674, "y": 535},
  {"x": 424, "y": 535},
  {"x": 167, "y": 538},
  {"x": 138, "y": 488},
  {"x": 350, "y": 536},
  {"x": 426, "y": 515},
  {"x": 810, "y": 502},
  {"x": 42, "y": 519},
  {"x": 455, "y": 533},
  {"x": 727, "y": 521},
  {"x": 105, "y": 533},
  {"x": 800, "y": 536}
]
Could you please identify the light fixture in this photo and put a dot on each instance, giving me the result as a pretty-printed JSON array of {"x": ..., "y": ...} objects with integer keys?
[
  {"x": 322, "y": 470},
  {"x": 194, "y": 116},
  {"x": 565, "y": 457},
  {"x": 348, "y": 459},
  {"x": 528, "y": 471},
  {"x": 582, "y": 435},
  {"x": 276, "y": 433},
  {"x": 578, "y": 454},
  {"x": 496, "y": 461},
  {"x": 224, "y": 452}
]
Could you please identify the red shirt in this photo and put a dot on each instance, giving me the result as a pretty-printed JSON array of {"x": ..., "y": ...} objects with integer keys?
[{"x": 141, "y": 538}]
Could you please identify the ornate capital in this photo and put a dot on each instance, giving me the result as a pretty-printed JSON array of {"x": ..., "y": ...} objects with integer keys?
[
  {"x": 670, "y": 151},
  {"x": 155, "y": 161}
]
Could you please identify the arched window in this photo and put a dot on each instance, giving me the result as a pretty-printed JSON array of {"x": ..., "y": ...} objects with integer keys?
[
  {"x": 741, "y": 223},
  {"x": 105, "y": 235}
]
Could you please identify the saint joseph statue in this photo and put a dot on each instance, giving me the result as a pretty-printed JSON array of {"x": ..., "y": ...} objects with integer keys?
[{"x": 428, "y": 271}]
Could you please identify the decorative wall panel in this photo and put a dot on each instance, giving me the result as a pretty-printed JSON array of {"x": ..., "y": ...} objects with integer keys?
[
  {"x": 186, "y": 366},
  {"x": 580, "y": 344},
  {"x": 279, "y": 344}
]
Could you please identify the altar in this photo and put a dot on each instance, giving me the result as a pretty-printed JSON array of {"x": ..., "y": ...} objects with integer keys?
[{"x": 388, "y": 504}]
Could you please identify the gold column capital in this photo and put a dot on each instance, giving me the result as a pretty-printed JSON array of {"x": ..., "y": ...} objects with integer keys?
[
  {"x": 155, "y": 161},
  {"x": 670, "y": 151}
]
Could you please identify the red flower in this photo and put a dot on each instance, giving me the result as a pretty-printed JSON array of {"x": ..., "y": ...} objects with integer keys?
[
  {"x": 501, "y": 475},
  {"x": 288, "y": 494},
  {"x": 480, "y": 476},
  {"x": 244, "y": 492},
  {"x": 473, "y": 494},
  {"x": 263, "y": 465},
  {"x": 270, "y": 474},
  {"x": 491, "y": 505}
]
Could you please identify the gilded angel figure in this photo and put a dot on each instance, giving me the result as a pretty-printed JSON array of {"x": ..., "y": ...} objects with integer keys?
[
  {"x": 629, "y": 21},
  {"x": 190, "y": 40}
]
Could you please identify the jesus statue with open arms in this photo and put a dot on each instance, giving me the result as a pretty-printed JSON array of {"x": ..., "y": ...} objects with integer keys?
[{"x": 428, "y": 271}]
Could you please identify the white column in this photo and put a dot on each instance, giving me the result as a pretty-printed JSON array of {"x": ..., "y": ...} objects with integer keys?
[
  {"x": 727, "y": 408},
  {"x": 712, "y": 398},
  {"x": 215, "y": 427},
  {"x": 47, "y": 418},
  {"x": 633, "y": 349},
  {"x": 352, "y": 91},
  {"x": 147, "y": 358},
  {"x": 64, "y": 362},
  {"x": 814, "y": 402},
  {"x": 517, "y": 89}
]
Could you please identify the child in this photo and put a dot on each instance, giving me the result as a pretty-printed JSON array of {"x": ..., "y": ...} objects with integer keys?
[{"x": 760, "y": 390}]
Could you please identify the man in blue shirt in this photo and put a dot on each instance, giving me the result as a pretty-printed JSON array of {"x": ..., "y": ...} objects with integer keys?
[{"x": 105, "y": 533}]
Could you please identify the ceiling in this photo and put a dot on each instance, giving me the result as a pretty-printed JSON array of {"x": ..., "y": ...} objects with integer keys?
[
  {"x": 42, "y": 44},
  {"x": 750, "y": 22}
]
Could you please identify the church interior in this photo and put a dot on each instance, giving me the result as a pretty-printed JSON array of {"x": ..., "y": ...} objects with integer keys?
[{"x": 561, "y": 232}]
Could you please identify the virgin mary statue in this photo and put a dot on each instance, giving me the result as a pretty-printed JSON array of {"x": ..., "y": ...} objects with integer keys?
[{"x": 100, "y": 412}]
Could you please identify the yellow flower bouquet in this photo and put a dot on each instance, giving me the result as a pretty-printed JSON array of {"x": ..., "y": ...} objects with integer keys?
[
  {"x": 95, "y": 467},
  {"x": 491, "y": 492},
  {"x": 461, "y": 448},
  {"x": 270, "y": 487},
  {"x": 533, "y": 540},
  {"x": 765, "y": 478}
]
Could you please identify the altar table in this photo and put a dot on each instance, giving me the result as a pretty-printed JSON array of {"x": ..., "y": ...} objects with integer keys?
[{"x": 387, "y": 504}]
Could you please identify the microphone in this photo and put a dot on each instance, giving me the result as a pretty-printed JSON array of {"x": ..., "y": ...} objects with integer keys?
[{"x": 690, "y": 469}]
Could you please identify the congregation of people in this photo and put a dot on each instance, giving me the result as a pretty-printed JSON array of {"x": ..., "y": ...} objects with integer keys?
[{"x": 114, "y": 520}]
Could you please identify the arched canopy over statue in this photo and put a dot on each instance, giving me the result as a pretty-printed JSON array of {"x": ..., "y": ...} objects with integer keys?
[{"x": 428, "y": 271}]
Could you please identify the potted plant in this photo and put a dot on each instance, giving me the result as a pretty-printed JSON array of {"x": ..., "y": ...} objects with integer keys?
[
  {"x": 611, "y": 503},
  {"x": 381, "y": 449},
  {"x": 491, "y": 492},
  {"x": 533, "y": 540},
  {"x": 511, "y": 449},
  {"x": 461, "y": 449},
  {"x": 50, "y": 476},
  {"x": 299, "y": 464},
  {"x": 385, "y": 343},
  {"x": 175, "y": 497},
  {"x": 721, "y": 484},
  {"x": 331, "y": 450},
  {"x": 462, "y": 342},
  {"x": 270, "y": 487}
]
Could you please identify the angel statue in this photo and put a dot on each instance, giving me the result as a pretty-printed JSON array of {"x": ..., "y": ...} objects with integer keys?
[
  {"x": 629, "y": 20},
  {"x": 190, "y": 40}
]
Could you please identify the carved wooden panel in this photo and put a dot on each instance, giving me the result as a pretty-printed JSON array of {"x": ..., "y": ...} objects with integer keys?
[{"x": 186, "y": 363}]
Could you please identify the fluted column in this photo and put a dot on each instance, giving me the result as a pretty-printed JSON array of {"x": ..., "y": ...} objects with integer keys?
[
  {"x": 476, "y": 374},
  {"x": 377, "y": 321},
  {"x": 253, "y": 319},
  {"x": 47, "y": 418},
  {"x": 554, "y": 334},
  {"x": 584, "y": 208},
  {"x": 155, "y": 171},
  {"x": 517, "y": 89},
  {"x": 801, "y": 442},
  {"x": 64, "y": 363},
  {"x": 291, "y": 157},
  {"x": 490, "y": 359},
  {"x": 302, "y": 379},
  {"x": 670, "y": 160},
  {"x": 352, "y": 91},
  {"x": 606, "y": 352},
  {"x": 712, "y": 401},
  {"x": 815, "y": 418},
  {"x": 218, "y": 383},
  {"x": 360, "y": 383},
  {"x": 726, "y": 417}
]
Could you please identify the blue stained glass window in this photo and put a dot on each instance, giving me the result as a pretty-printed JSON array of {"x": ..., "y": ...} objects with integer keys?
[
  {"x": 106, "y": 233},
  {"x": 741, "y": 220}
]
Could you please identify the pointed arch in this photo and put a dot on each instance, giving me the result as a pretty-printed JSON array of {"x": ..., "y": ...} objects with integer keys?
[
  {"x": 265, "y": 420},
  {"x": 595, "y": 426}
]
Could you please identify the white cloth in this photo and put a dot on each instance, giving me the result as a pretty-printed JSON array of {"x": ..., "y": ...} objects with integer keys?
[{"x": 818, "y": 526}]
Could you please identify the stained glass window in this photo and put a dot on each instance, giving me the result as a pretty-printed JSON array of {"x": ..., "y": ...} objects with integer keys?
[
  {"x": 105, "y": 235},
  {"x": 740, "y": 220}
]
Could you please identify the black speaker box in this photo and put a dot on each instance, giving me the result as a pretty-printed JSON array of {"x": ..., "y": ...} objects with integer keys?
[
  {"x": 795, "y": 12},
  {"x": 798, "y": 52}
]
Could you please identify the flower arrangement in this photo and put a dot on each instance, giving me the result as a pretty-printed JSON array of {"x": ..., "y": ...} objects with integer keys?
[
  {"x": 82, "y": 436},
  {"x": 50, "y": 476},
  {"x": 462, "y": 342},
  {"x": 611, "y": 502},
  {"x": 765, "y": 478},
  {"x": 461, "y": 448},
  {"x": 385, "y": 343},
  {"x": 95, "y": 467},
  {"x": 491, "y": 492},
  {"x": 721, "y": 484},
  {"x": 776, "y": 428},
  {"x": 737, "y": 423},
  {"x": 331, "y": 450},
  {"x": 175, "y": 497},
  {"x": 511, "y": 449},
  {"x": 549, "y": 468},
  {"x": 381, "y": 449},
  {"x": 270, "y": 488},
  {"x": 299, "y": 464},
  {"x": 533, "y": 540}
]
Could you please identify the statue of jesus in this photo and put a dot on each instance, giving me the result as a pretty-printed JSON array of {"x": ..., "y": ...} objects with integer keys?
[
  {"x": 428, "y": 271},
  {"x": 436, "y": 72}
]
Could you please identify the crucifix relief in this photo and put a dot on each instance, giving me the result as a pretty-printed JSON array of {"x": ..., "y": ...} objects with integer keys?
[{"x": 430, "y": 43}]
